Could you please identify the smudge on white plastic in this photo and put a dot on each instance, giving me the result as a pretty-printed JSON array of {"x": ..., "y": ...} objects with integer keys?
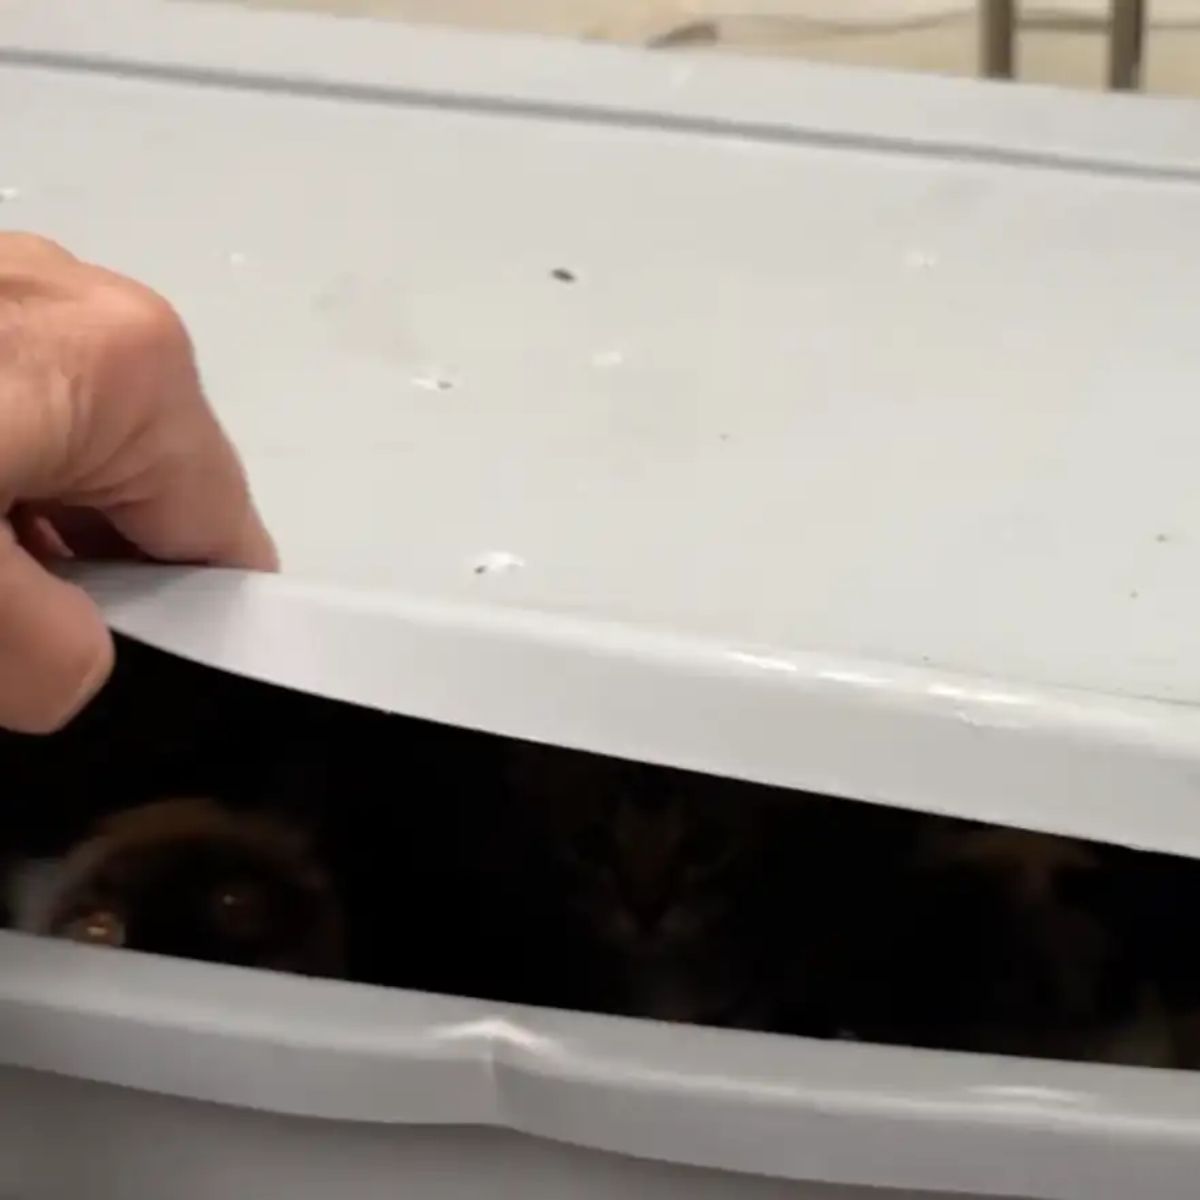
[
  {"x": 608, "y": 358},
  {"x": 497, "y": 562},
  {"x": 432, "y": 383},
  {"x": 681, "y": 75},
  {"x": 237, "y": 259},
  {"x": 920, "y": 260},
  {"x": 9, "y": 193}
]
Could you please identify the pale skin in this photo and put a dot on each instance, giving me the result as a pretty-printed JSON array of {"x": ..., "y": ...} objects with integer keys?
[{"x": 107, "y": 444}]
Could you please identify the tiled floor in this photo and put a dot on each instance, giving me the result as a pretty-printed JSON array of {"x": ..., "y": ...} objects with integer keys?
[{"x": 1063, "y": 41}]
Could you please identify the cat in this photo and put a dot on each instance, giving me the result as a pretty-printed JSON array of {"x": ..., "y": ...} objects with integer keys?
[
  {"x": 189, "y": 878},
  {"x": 1000, "y": 941},
  {"x": 1156, "y": 898},
  {"x": 663, "y": 875}
]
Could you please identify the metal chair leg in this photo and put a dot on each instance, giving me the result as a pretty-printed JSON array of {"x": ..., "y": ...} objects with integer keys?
[
  {"x": 1126, "y": 44},
  {"x": 997, "y": 38}
]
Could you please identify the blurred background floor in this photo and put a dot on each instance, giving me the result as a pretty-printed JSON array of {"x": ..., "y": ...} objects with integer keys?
[{"x": 1061, "y": 41}]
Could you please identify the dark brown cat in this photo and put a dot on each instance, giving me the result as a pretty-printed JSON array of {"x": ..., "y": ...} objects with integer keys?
[
  {"x": 1154, "y": 904},
  {"x": 1000, "y": 941},
  {"x": 663, "y": 873},
  {"x": 189, "y": 878}
]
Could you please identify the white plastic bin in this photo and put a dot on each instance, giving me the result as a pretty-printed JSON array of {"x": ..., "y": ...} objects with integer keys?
[{"x": 815, "y": 427}]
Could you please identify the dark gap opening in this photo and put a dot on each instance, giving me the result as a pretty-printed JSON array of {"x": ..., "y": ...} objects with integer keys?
[{"x": 192, "y": 813}]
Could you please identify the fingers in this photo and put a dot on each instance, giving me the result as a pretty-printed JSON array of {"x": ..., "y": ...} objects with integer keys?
[
  {"x": 55, "y": 532},
  {"x": 101, "y": 409},
  {"x": 180, "y": 492},
  {"x": 108, "y": 413},
  {"x": 55, "y": 652},
  {"x": 199, "y": 510}
]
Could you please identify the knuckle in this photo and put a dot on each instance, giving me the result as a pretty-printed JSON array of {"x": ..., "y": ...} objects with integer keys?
[
  {"x": 138, "y": 318},
  {"x": 32, "y": 248},
  {"x": 141, "y": 345}
]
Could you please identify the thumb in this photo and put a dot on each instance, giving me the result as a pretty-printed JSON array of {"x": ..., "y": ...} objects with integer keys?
[{"x": 55, "y": 651}]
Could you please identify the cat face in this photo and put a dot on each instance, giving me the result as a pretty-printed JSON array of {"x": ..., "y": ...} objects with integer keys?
[
  {"x": 653, "y": 861},
  {"x": 994, "y": 943},
  {"x": 197, "y": 882}
]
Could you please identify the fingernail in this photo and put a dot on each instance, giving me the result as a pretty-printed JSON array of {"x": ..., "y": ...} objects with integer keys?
[
  {"x": 94, "y": 678},
  {"x": 255, "y": 548}
]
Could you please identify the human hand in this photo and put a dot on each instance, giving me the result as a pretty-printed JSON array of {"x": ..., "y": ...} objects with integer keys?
[{"x": 105, "y": 439}]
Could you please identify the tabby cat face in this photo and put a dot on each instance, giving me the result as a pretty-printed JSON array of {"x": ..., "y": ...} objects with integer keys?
[{"x": 654, "y": 861}]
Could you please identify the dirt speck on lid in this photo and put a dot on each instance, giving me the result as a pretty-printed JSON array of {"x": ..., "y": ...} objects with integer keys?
[
  {"x": 563, "y": 275},
  {"x": 432, "y": 383},
  {"x": 497, "y": 562},
  {"x": 920, "y": 260}
]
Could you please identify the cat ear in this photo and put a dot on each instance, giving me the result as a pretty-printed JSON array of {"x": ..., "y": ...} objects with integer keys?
[
  {"x": 187, "y": 817},
  {"x": 541, "y": 774},
  {"x": 296, "y": 792},
  {"x": 161, "y": 818},
  {"x": 564, "y": 783}
]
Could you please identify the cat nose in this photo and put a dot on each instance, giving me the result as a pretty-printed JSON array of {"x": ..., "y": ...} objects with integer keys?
[{"x": 651, "y": 913}]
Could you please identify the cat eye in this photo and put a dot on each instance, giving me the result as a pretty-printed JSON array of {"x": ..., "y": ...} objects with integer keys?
[
  {"x": 593, "y": 845},
  {"x": 101, "y": 928},
  {"x": 705, "y": 848},
  {"x": 1081, "y": 887},
  {"x": 239, "y": 909}
]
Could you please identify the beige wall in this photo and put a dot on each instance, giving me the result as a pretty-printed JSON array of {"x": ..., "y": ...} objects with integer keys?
[{"x": 1064, "y": 43}]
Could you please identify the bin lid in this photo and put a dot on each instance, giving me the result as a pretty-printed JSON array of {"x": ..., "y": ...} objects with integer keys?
[{"x": 823, "y": 427}]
